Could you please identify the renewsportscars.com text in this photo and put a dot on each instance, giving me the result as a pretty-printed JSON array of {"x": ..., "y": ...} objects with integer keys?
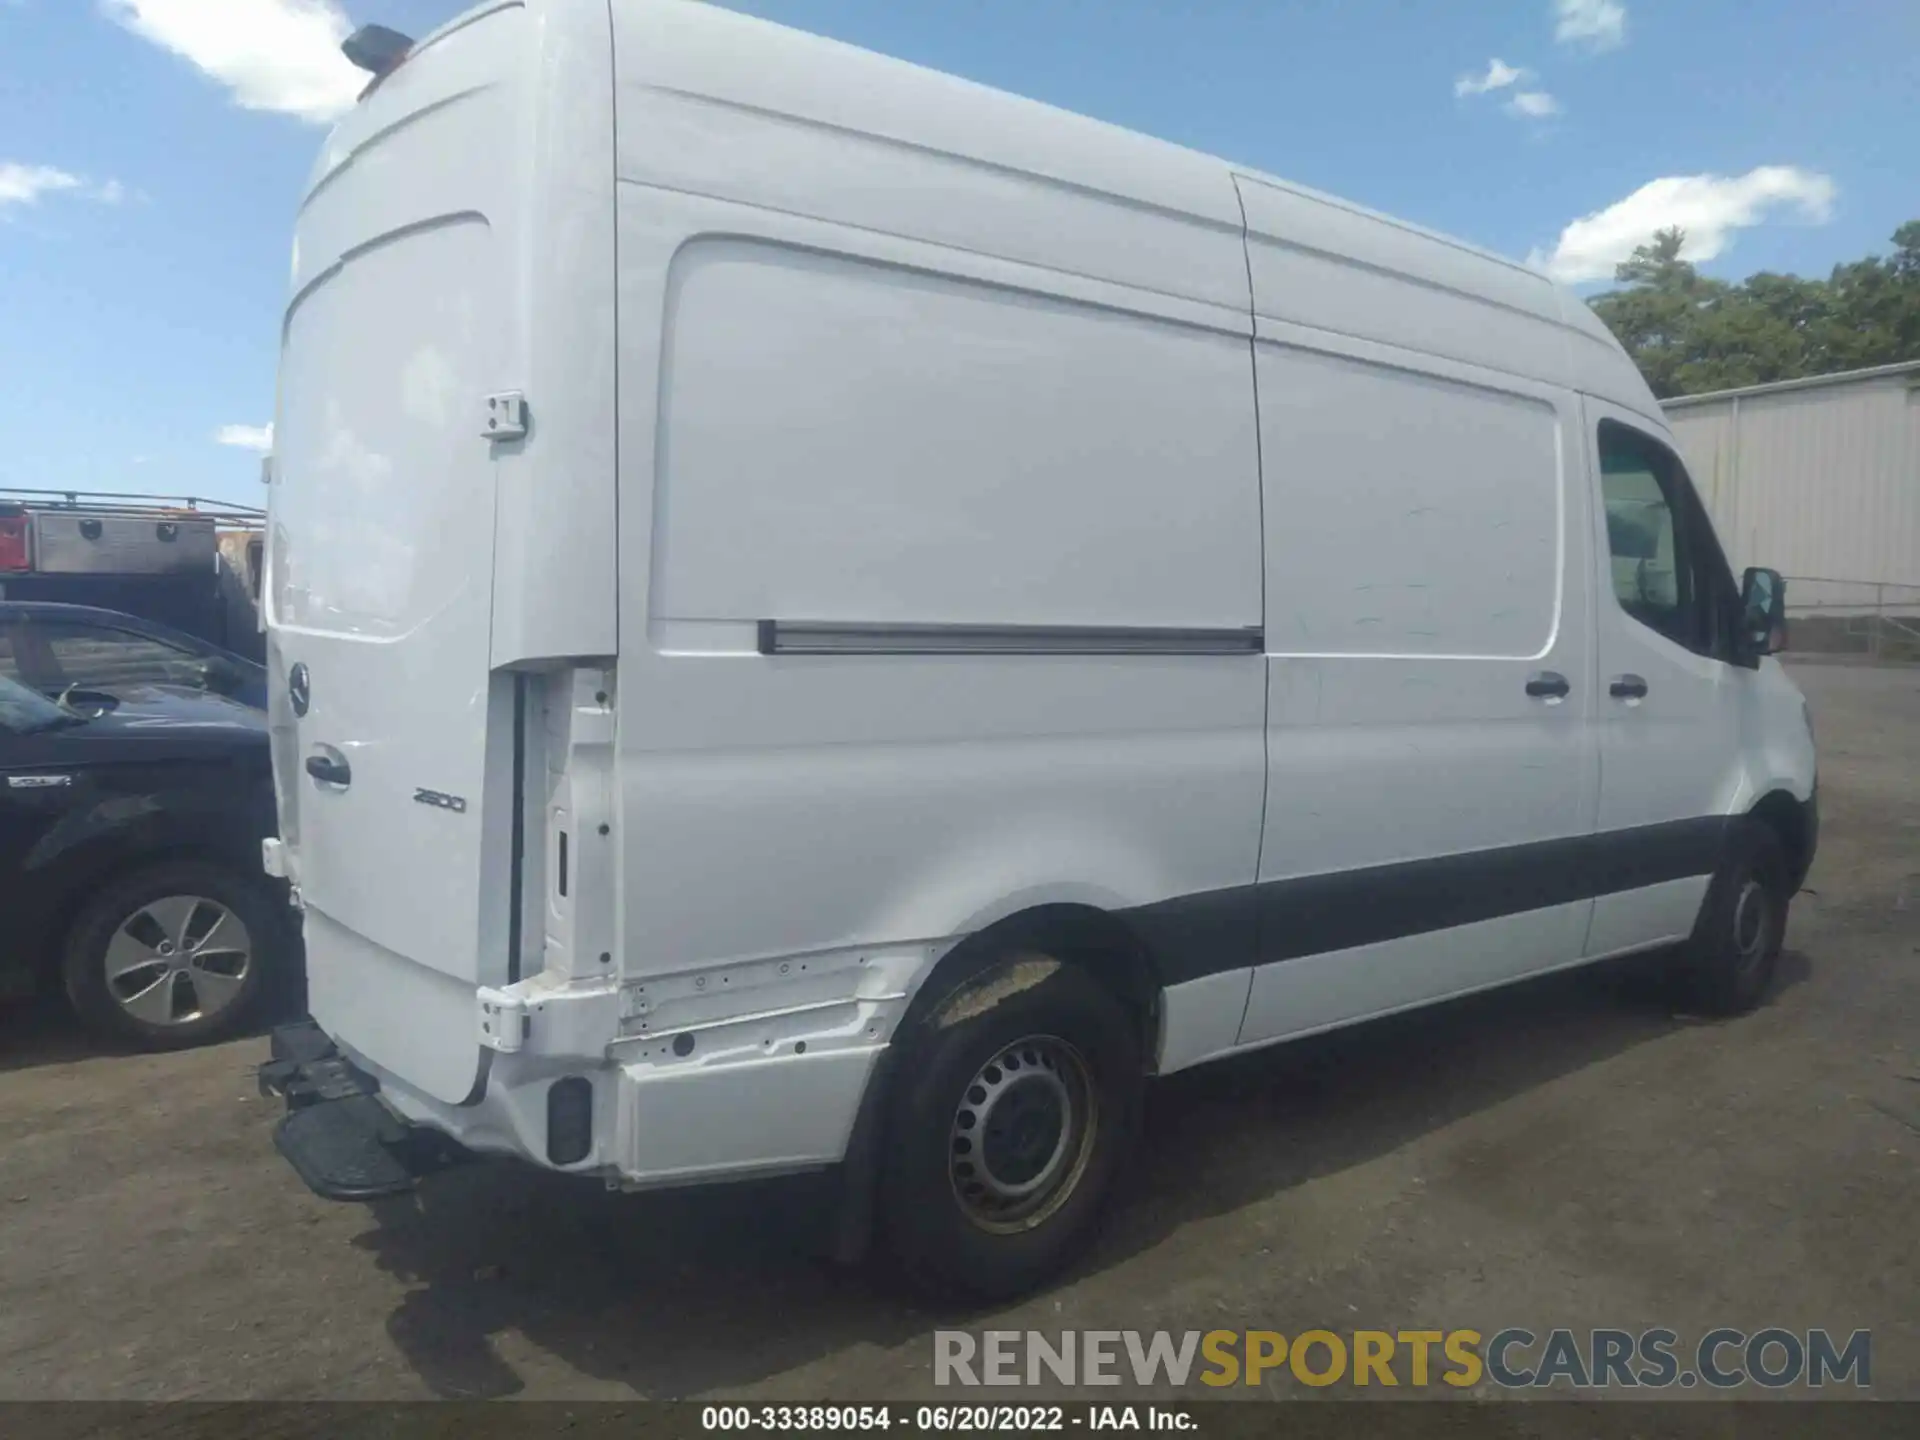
[{"x": 1514, "y": 1358}]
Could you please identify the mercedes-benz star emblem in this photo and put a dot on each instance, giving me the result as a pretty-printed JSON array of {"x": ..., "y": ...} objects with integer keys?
[{"x": 299, "y": 691}]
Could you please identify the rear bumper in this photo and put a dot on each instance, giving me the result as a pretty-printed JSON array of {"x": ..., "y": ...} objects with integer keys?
[
  {"x": 338, "y": 1135},
  {"x": 354, "y": 1132},
  {"x": 737, "y": 1072}
]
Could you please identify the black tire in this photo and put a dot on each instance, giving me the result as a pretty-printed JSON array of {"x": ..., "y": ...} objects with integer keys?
[
  {"x": 1729, "y": 962},
  {"x": 84, "y": 962},
  {"x": 1068, "y": 1047}
]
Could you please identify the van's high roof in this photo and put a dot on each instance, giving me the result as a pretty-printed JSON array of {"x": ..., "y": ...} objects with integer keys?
[{"x": 708, "y": 55}]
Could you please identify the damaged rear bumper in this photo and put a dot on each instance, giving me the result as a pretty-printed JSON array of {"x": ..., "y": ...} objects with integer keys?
[{"x": 338, "y": 1135}]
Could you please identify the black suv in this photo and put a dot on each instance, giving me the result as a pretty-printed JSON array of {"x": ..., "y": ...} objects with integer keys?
[{"x": 130, "y": 830}]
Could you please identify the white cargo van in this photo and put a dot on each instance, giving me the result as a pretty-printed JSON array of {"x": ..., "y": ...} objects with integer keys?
[{"x": 824, "y": 615}]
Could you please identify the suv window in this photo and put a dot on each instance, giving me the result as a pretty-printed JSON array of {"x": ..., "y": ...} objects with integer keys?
[
  {"x": 1668, "y": 572},
  {"x": 103, "y": 658}
]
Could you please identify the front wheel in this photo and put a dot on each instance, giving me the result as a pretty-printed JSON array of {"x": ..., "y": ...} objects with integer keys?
[
  {"x": 173, "y": 955},
  {"x": 1017, "y": 1100},
  {"x": 1730, "y": 960}
]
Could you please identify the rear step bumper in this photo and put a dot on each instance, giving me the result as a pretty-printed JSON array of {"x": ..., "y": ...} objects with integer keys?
[{"x": 339, "y": 1138}]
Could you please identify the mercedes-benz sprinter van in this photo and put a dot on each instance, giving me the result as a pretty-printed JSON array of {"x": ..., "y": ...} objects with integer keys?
[{"x": 823, "y": 615}]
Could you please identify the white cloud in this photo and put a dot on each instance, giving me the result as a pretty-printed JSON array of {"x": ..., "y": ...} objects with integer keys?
[
  {"x": 1710, "y": 208},
  {"x": 276, "y": 55},
  {"x": 25, "y": 184},
  {"x": 257, "y": 438},
  {"x": 1594, "y": 24},
  {"x": 1534, "y": 104},
  {"x": 1499, "y": 75}
]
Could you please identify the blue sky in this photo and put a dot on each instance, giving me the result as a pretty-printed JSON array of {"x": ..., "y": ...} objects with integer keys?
[{"x": 152, "y": 154}]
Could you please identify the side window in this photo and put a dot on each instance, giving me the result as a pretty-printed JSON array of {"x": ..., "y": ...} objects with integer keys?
[
  {"x": 102, "y": 658},
  {"x": 1667, "y": 570}
]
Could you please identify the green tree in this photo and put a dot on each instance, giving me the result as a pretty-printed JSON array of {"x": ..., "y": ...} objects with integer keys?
[{"x": 1690, "y": 333}]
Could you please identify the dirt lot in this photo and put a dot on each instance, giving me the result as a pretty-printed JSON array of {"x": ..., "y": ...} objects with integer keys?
[{"x": 1562, "y": 1154}]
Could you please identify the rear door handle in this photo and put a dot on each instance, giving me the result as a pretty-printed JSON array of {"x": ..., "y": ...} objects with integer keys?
[
  {"x": 1548, "y": 685},
  {"x": 329, "y": 771},
  {"x": 1628, "y": 687}
]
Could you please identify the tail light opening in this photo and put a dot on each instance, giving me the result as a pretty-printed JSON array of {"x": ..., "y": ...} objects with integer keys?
[{"x": 13, "y": 543}]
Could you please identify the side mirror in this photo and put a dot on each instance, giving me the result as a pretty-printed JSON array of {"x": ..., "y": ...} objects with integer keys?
[{"x": 1763, "y": 611}]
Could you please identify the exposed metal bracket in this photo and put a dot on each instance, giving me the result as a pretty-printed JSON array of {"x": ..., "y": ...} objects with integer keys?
[{"x": 506, "y": 416}]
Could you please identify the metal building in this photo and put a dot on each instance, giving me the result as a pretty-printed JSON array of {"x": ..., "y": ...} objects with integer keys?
[{"x": 1818, "y": 478}]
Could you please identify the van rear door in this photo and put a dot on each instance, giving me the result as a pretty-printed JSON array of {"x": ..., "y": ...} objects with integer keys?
[{"x": 392, "y": 738}]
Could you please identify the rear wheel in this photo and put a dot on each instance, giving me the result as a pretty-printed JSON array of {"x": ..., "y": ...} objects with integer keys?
[
  {"x": 172, "y": 955},
  {"x": 1017, "y": 1101},
  {"x": 1730, "y": 960}
]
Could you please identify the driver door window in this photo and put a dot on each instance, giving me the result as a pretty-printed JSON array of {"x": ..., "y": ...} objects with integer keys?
[{"x": 1666, "y": 568}]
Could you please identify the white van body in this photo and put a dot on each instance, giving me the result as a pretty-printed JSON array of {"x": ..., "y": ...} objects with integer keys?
[{"x": 749, "y": 515}]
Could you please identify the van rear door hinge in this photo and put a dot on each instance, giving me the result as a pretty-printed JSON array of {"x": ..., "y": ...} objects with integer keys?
[
  {"x": 504, "y": 1021},
  {"x": 506, "y": 417}
]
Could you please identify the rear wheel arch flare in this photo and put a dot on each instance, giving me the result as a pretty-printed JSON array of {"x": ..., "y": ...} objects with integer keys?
[{"x": 1095, "y": 940}]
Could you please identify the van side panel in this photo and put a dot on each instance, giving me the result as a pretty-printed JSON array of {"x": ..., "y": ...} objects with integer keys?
[
  {"x": 1427, "y": 559},
  {"x": 718, "y": 104},
  {"x": 1322, "y": 266},
  {"x": 859, "y": 438},
  {"x": 899, "y": 351},
  {"x": 848, "y": 441}
]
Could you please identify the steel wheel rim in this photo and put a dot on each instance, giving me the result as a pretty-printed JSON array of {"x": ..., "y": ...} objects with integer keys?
[
  {"x": 1752, "y": 923},
  {"x": 1022, "y": 1134},
  {"x": 178, "y": 960}
]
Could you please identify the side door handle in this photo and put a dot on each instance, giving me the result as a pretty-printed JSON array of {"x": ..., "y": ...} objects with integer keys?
[
  {"x": 329, "y": 771},
  {"x": 1628, "y": 687},
  {"x": 1548, "y": 685}
]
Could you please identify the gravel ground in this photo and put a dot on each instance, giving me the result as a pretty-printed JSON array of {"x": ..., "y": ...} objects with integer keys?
[{"x": 1560, "y": 1154}]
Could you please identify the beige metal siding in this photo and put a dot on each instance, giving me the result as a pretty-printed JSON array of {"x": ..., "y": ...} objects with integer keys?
[{"x": 1820, "y": 483}]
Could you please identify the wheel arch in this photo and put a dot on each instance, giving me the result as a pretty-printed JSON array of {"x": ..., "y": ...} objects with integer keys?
[
  {"x": 1075, "y": 932},
  {"x": 70, "y": 882},
  {"x": 1792, "y": 825}
]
